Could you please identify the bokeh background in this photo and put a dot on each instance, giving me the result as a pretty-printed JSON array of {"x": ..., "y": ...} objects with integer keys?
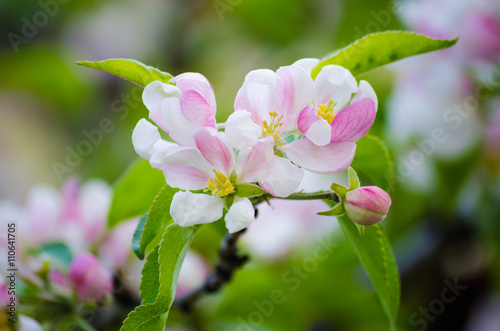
[{"x": 444, "y": 221}]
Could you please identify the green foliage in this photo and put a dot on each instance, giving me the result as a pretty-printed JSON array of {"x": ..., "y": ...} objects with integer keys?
[
  {"x": 136, "y": 238},
  {"x": 381, "y": 48},
  {"x": 171, "y": 253},
  {"x": 134, "y": 192},
  {"x": 150, "y": 282},
  {"x": 58, "y": 253},
  {"x": 157, "y": 220},
  {"x": 249, "y": 190},
  {"x": 373, "y": 161},
  {"x": 132, "y": 70},
  {"x": 376, "y": 256}
]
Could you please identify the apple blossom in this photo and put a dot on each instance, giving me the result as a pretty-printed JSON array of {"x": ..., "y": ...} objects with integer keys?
[
  {"x": 367, "y": 205},
  {"x": 287, "y": 105},
  {"x": 89, "y": 278}
]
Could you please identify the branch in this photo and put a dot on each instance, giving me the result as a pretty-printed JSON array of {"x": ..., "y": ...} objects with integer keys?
[{"x": 229, "y": 261}]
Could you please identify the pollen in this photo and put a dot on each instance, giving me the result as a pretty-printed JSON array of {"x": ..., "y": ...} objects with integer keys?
[
  {"x": 272, "y": 129},
  {"x": 326, "y": 111},
  {"x": 221, "y": 185}
]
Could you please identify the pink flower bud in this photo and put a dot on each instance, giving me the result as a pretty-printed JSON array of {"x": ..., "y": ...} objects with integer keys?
[
  {"x": 89, "y": 278},
  {"x": 367, "y": 205}
]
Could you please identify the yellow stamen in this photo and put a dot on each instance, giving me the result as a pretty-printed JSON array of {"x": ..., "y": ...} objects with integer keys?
[
  {"x": 326, "y": 111},
  {"x": 222, "y": 185},
  {"x": 272, "y": 129}
]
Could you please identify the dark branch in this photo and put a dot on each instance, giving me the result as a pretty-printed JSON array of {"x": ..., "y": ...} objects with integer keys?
[{"x": 229, "y": 261}]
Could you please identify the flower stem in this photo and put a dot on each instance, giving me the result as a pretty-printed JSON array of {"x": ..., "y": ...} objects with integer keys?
[{"x": 308, "y": 196}]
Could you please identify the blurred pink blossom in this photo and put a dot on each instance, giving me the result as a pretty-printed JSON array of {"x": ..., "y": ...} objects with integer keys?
[{"x": 89, "y": 278}]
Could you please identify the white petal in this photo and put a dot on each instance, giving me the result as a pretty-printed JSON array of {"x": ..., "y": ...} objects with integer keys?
[
  {"x": 365, "y": 90},
  {"x": 153, "y": 96},
  {"x": 334, "y": 83},
  {"x": 144, "y": 137},
  {"x": 178, "y": 127},
  {"x": 308, "y": 64},
  {"x": 241, "y": 130},
  {"x": 188, "y": 208},
  {"x": 320, "y": 133},
  {"x": 285, "y": 178},
  {"x": 240, "y": 215}
]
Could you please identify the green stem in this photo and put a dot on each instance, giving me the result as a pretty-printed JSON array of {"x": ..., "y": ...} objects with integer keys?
[{"x": 307, "y": 196}]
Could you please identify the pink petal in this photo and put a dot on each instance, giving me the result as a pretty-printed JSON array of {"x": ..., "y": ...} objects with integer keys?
[
  {"x": 314, "y": 127},
  {"x": 177, "y": 126},
  {"x": 198, "y": 83},
  {"x": 284, "y": 179},
  {"x": 215, "y": 150},
  {"x": 334, "y": 83},
  {"x": 295, "y": 91},
  {"x": 255, "y": 163},
  {"x": 365, "y": 90},
  {"x": 196, "y": 110},
  {"x": 153, "y": 96},
  {"x": 184, "y": 167},
  {"x": 332, "y": 158},
  {"x": 354, "y": 121}
]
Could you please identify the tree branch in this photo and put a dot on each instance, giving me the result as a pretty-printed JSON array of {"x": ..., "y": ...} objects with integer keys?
[{"x": 229, "y": 261}]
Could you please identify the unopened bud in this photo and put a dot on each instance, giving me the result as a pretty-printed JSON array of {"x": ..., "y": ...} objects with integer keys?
[{"x": 367, "y": 205}]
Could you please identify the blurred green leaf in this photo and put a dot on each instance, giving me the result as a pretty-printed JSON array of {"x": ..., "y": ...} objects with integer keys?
[
  {"x": 158, "y": 218},
  {"x": 134, "y": 192},
  {"x": 373, "y": 161},
  {"x": 150, "y": 281},
  {"x": 381, "y": 48},
  {"x": 376, "y": 256},
  {"x": 136, "y": 238},
  {"x": 132, "y": 70},
  {"x": 171, "y": 253},
  {"x": 59, "y": 253}
]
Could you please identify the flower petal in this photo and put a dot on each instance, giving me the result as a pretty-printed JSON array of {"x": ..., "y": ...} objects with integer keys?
[
  {"x": 188, "y": 208},
  {"x": 153, "y": 96},
  {"x": 198, "y": 83},
  {"x": 214, "y": 149},
  {"x": 295, "y": 91},
  {"x": 365, "y": 90},
  {"x": 196, "y": 110},
  {"x": 354, "y": 121},
  {"x": 332, "y": 158},
  {"x": 284, "y": 179},
  {"x": 184, "y": 167},
  {"x": 177, "y": 126},
  {"x": 308, "y": 64},
  {"x": 255, "y": 163},
  {"x": 145, "y": 137},
  {"x": 334, "y": 83},
  {"x": 241, "y": 130},
  {"x": 314, "y": 127},
  {"x": 240, "y": 215}
]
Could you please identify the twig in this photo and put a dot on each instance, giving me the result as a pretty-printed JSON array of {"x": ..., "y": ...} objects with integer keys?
[{"x": 229, "y": 261}]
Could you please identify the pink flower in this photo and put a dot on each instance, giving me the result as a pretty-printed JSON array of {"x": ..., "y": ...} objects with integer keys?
[
  {"x": 287, "y": 105},
  {"x": 89, "y": 278},
  {"x": 181, "y": 109},
  {"x": 367, "y": 205}
]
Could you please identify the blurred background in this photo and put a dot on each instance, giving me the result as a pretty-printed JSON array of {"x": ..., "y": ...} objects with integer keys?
[{"x": 439, "y": 113}]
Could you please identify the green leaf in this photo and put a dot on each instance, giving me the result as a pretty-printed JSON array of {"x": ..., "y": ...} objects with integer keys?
[
  {"x": 136, "y": 238},
  {"x": 381, "y": 48},
  {"x": 150, "y": 280},
  {"x": 335, "y": 211},
  {"x": 374, "y": 161},
  {"x": 158, "y": 218},
  {"x": 134, "y": 192},
  {"x": 171, "y": 253},
  {"x": 58, "y": 253},
  {"x": 249, "y": 190},
  {"x": 353, "y": 179},
  {"x": 145, "y": 317},
  {"x": 376, "y": 256},
  {"x": 132, "y": 70}
]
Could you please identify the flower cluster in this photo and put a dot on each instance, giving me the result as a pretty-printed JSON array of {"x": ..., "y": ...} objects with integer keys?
[{"x": 283, "y": 122}]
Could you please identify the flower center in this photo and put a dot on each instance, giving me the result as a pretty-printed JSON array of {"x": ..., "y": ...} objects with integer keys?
[
  {"x": 272, "y": 129},
  {"x": 326, "y": 111},
  {"x": 222, "y": 185}
]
